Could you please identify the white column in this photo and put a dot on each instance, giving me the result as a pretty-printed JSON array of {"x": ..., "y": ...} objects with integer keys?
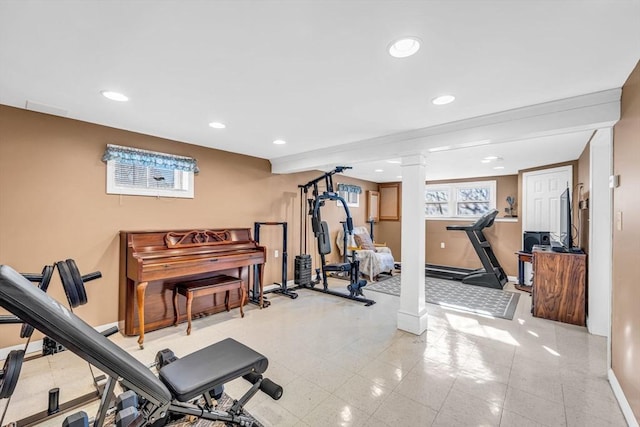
[
  {"x": 600, "y": 233},
  {"x": 412, "y": 316}
]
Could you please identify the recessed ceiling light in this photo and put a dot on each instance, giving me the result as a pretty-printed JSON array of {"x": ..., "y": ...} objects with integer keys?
[
  {"x": 379, "y": 170},
  {"x": 114, "y": 96},
  {"x": 485, "y": 161},
  {"x": 442, "y": 100},
  {"x": 279, "y": 142},
  {"x": 491, "y": 158},
  {"x": 394, "y": 162},
  {"x": 498, "y": 167},
  {"x": 217, "y": 125},
  {"x": 404, "y": 47}
]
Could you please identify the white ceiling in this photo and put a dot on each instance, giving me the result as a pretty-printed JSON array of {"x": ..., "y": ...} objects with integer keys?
[{"x": 317, "y": 73}]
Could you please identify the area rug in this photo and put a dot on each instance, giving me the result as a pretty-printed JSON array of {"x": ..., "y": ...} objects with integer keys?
[
  {"x": 458, "y": 296},
  {"x": 224, "y": 403}
]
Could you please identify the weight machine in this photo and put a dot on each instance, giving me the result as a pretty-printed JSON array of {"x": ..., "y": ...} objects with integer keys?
[{"x": 321, "y": 233}]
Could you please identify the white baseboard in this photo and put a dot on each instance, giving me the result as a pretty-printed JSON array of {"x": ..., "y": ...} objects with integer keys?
[
  {"x": 622, "y": 400},
  {"x": 36, "y": 346}
]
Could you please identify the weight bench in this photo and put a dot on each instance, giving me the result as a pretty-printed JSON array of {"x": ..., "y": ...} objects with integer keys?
[{"x": 168, "y": 395}]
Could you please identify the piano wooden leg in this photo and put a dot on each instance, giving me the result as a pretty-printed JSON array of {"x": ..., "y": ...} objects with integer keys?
[
  {"x": 140, "y": 290},
  {"x": 176, "y": 312},
  {"x": 243, "y": 299},
  {"x": 189, "y": 300}
]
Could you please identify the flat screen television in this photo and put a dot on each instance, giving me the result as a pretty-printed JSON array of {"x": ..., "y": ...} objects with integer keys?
[{"x": 565, "y": 220}]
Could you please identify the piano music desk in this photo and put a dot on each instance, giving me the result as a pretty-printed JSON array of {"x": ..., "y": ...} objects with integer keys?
[{"x": 207, "y": 286}]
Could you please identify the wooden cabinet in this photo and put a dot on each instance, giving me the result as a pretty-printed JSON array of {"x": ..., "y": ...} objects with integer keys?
[
  {"x": 389, "y": 201},
  {"x": 559, "y": 286}
]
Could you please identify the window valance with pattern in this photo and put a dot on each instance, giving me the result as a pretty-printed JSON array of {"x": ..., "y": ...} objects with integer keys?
[
  {"x": 349, "y": 188},
  {"x": 139, "y": 157}
]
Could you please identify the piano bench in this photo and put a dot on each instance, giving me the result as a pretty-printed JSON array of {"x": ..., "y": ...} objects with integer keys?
[{"x": 207, "y": 286}]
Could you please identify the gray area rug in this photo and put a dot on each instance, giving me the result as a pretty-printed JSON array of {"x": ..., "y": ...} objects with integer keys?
[{"x": 458, "y": 296}]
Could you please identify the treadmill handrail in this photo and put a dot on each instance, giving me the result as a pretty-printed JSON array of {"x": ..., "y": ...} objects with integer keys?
[{"x": 483, "y": 222}]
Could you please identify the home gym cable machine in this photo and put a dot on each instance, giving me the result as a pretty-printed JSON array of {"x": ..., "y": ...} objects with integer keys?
[
  {"x": 282, "y": 286},
  {"x": 323, "y": 238}
]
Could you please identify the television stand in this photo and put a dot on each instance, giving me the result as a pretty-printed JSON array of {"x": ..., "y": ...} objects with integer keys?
[{"x": 559, "y": 286}]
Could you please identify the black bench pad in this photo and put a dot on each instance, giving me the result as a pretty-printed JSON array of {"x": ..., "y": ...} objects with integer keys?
[
  {"x": 219, "y": 363},
  {"x": 337, "y": 267}
]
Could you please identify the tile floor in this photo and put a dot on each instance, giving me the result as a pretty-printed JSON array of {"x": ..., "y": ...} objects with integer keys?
[{"x": 343, "y": 364}]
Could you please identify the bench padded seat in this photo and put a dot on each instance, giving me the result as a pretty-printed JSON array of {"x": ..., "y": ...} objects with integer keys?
[
  {"x": 343, "y": 266},
  {"x": 219, "y": 363}
]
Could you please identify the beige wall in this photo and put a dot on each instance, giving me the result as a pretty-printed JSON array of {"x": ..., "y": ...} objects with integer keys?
[
  {"x": 53, "y": 204},
  {"x": 625, "y": 328},
  {"x": 505, "y": 237}
]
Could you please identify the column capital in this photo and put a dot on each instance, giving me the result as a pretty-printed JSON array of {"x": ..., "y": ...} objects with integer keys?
[{"x": 417, "y": 159}]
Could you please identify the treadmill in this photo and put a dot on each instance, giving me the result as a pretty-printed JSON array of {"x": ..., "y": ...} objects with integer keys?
[{"x": 491, "y": 275}]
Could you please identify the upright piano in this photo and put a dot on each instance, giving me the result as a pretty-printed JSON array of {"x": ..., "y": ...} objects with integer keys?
[{"x": 152, "y": 262}]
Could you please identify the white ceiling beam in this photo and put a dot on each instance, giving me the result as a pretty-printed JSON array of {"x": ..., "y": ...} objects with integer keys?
[{"x": 585, "y": 112}]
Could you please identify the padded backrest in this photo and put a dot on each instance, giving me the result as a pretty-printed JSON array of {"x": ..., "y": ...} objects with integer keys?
[
  {"x": 324, "y": 240},
  {"x": 47, "y": 315}
]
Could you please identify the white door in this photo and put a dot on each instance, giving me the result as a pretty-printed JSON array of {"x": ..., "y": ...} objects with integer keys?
[
  {"x": 541, "y": 191},
  {"x": 541, "y": 199}
]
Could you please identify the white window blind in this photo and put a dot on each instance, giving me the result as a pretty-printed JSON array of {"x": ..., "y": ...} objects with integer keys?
[{"x": 146, "y": 173}]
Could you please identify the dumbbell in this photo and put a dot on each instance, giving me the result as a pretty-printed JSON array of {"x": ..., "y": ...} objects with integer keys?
[
  {"x": 127, "y": 408},
  {"x": 73, "y": 282},
  {"x": 78, "y": 419}
]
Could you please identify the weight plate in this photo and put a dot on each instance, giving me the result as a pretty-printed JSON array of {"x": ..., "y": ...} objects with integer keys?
[
  {"x": 68, "y": 283},
  {"x": 77, "y": 278},
  {"x": 47, "y": 273},
  {"x": 26, "y": 330},
  {"x": 11, "y": 372},
  {"x": 164, "y": 357}
]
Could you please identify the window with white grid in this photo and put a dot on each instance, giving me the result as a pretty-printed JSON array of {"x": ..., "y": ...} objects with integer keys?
[{"x": 460, "y": 200}]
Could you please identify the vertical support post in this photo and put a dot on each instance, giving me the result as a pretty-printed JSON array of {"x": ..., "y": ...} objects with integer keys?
[
  {"x": 601, "y": 224},
  {"x": 412, "y": 315}
]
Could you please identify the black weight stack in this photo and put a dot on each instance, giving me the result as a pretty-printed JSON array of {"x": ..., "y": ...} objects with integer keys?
[{"x": 302, "y": 272}]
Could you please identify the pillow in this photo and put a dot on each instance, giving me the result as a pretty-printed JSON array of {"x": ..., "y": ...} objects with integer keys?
[{"x": 364, "y": 242}]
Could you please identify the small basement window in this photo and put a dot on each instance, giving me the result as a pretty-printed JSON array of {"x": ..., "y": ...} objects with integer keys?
[
  {"x": 350, "y": 194},
  {"x": 139, "y": 172},
  {"x": 460, "y": 200}
]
